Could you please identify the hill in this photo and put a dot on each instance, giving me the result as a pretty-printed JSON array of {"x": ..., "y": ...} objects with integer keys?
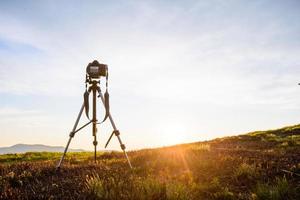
[
  {"x": 23, "y": 148},
  {"x": 257, "y": 165}
]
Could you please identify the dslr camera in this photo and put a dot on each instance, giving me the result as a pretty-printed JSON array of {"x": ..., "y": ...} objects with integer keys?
[{"x": 95, "y": 70}]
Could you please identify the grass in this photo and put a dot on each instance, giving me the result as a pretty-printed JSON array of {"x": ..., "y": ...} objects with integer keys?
[
  {"x": 131, "y": 188},
  {"x": 280, "y": 190},
  {"x": 45, "y": 156},
  {"x": 250, "y": 166},
  {"x": 245, "y": 172}
]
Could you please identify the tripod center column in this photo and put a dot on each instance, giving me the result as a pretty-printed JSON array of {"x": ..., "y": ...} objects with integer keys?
[
  {"x": 94, "y": 89},
  {"x": 94, "y": 112}
]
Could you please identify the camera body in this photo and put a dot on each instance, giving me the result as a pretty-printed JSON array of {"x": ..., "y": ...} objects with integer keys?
[{"x": 96, "y": 70}]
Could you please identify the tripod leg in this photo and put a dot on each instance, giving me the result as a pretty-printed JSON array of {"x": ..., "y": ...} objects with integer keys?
[
  {"x": 71, "y": 136},
  {"x": 116, "y": 132}
]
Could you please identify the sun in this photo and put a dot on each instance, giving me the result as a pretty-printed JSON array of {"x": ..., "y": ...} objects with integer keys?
[{"x": 173, "y": 134}]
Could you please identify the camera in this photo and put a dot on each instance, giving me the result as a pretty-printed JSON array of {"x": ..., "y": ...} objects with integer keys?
[{"x": 96, "y": 69}]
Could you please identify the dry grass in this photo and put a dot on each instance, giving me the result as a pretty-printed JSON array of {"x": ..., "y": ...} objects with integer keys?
[{"x": 243, "y": 167}]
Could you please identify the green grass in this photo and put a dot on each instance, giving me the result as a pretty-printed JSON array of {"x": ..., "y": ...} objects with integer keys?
[
  {"x": 43, "y": 156},
  {"x": 280, "y": 190},
  {"x": 131, "y": 188}
]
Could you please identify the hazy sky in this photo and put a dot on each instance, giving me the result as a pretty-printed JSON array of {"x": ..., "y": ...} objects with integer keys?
[{"x": 180, "y": 71}]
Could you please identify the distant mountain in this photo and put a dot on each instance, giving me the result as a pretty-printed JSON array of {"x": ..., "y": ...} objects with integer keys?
[{"x": 23, "y": 148}]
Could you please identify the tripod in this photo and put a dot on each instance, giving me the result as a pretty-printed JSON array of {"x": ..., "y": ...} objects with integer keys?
[{"x": 94, "y": 88}]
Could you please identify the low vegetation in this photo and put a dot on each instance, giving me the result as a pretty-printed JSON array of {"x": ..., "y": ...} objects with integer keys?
[{"x": 258, "y": 165}]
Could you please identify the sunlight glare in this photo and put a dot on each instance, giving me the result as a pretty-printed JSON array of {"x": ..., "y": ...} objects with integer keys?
[{"x": 173, "y": 134}]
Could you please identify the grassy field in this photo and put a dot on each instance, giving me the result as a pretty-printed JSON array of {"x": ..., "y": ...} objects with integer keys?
[{"x": 258, "y": 165}]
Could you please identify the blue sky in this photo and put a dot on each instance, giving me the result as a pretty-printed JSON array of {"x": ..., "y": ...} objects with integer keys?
[{"x": 180, "y": 71}]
